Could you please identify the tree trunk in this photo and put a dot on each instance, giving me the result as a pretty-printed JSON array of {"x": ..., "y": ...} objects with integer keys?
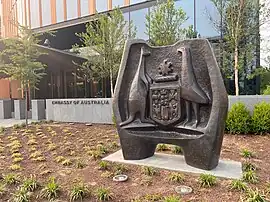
[
  {"x": 26, "y": 108},
  {"x": 111, "y": 82},
  {"x": 236, "y": 79}
]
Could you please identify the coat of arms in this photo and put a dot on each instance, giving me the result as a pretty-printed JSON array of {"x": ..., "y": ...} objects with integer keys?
[{"x": 164, "y": 96}]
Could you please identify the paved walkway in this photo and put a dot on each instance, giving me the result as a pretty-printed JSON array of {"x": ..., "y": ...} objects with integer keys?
[{"x": 11, "y": 122}]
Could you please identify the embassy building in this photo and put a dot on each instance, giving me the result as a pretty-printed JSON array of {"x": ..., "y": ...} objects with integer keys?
[{"x": 67, "y": 17}]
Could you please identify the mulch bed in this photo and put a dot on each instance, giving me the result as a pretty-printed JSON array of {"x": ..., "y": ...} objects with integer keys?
[{"x": 76, "y": 143}]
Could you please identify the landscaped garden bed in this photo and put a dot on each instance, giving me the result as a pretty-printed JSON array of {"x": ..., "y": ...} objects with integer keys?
[{"x": 69, "y": 155}]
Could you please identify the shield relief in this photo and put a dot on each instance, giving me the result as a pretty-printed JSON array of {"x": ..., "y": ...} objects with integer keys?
[{"x": 165, "y": 106}]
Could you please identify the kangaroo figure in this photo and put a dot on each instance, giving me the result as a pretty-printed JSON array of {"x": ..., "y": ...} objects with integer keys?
[
  {"x": 191, "y": 92},
  {"x": 138, "y": 94}
]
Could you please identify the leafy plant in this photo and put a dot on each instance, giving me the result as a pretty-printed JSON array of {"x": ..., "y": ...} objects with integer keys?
[
  {"x": 15, "y": 167},
  {"x": 207, "y": 180},
  {"x": 120, "y": 169},
  {"x": 247, "y": 166},
  {"x": 162, "y": 147},
  {"x": 30, "y": 184},
  {"x": 66, "y": 162},
  {"x": 32, "y": 142},
  {"x": 101, "y": 148},
  {"x": 21, "y": 195},
  {"x": 16, "y": 155},
  {"x": 146, "y": 180},
  {"x": 107, "y": 174},
  {"x": 238, "y": 119},
  {"x": 177, "y": 150},
  {"x": 238, "y": 185},
  {"x": 152, "y": 197},
  {"x": 2, "y": 129},
  {"x": 59, "y": 159},
  {"x": 267, "y": 90},
  {"x": 246, "y": 153},
  {"x": 3, "y": 189},
  {"x": 103, "y": 165},
  {"x": 172, "y": 199},
  {"x": 150, "y": 171},
  {"x": 51, "y": 189},
  {"x": 80, "y": 164},
  {"x": 95, "y": 154},
  {"x": 35, "y": 154},
  {"x": 164, "y": 24},
  {"x": 250, "y": 176},
  {"x": 17, "y": 160},
  {"x": 261, "y": 118},
  {"x": 256, "y": 196},
  {"x": 176, "y": 177},
  {"x": 104, "y": 194},
  {"x": 79, "y": 191},
  {"x": 10, "y": 178}
]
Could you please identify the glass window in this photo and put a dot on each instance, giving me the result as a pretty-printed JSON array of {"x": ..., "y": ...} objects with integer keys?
[
  {"x": 118, "y": 3},
  {"x": 101, "y": 5},
  {"x": 46, "y": 12},
  {"x": 204, "y": 9},
  {"x": 34, "y": 8},
  {"x": 138, "y": 19},
  {"x": 84, "y": 7},
  {"x": 188, "y": 7},
  {"x": 59, "y": 11},
  {"x": 136, "y": 1},
  {"x": 72, "y": 9}
]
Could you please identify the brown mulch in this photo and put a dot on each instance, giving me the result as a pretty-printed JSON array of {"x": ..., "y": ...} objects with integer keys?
[{"x": 75, "y": 142}]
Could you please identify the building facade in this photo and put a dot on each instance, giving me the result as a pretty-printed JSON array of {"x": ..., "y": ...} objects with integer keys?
[{"x": 68, "y": 17}]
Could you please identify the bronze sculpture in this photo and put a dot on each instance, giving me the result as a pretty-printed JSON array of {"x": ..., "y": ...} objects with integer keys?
[{"x": 155, "y": 90}]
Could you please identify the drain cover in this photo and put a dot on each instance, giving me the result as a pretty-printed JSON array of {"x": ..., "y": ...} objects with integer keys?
[
  {"x": 183, "y": 189},
  {"x": 120, "y": 178}
]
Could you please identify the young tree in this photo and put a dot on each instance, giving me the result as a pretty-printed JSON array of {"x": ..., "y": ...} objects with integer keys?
[
  {"x": 19, "y": 61},
  {"x": 239, "y": 25},
  {"x": 105, "y": 39},
  {"x": 164, "y": 24}
]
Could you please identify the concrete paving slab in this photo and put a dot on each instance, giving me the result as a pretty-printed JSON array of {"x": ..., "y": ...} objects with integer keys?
[
  {"x": 11, "y": 122},
  {"x": 225, "y": 169}
]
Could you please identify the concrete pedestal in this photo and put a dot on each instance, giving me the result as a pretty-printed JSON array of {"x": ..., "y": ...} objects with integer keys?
[
  {"x": 5, "y": 109},
  {"x": 19, "y": 109},
  {"x": 225, "y": 169},
  {"x": 38, "y": 110}
]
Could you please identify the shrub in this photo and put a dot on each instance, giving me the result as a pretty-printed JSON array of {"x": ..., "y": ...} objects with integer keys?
[
  {"x": 238, "y": 185},
  {"x": 120, "y": 169},
  {"x": 30, "y": 184},
  {"x": 80, "y": 164},
  {"x": 246, "y": 153},
  {"x": 207, "y": 180},
  {"x": 78, "y": 192},
  {"x": 176, "y": 177},
  {"x": 10, "y": 179},
  {"x": 103, "y": 165},
  {"x": 152, "y": 197},
  {"x": 261, "y": 118},
  {"x": 51, "y": 189},
  {"x": 247, "y": 166},
  {"x": 239, "y": 119},
  {"x": 177, "y": 150},
  {"x": 21, "y": 195},
  {"x": 255, "y": 196},
  {"x": 103, "y": 194},
  {"x": 3, "y": 189},
  {"x": 250, "y": 176},
  {"x": 150, "y": 171},
  {"x": 172, "y": 199},
  {"x": 162, "y": 147},
  {"x": 267, "y": 90}
]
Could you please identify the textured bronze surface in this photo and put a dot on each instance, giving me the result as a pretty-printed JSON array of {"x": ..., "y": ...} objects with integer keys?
[{"x": 174, "y": 95}]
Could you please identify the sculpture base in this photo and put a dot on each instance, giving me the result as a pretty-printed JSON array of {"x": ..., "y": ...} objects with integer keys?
[{"x": 225, "y": 168}]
